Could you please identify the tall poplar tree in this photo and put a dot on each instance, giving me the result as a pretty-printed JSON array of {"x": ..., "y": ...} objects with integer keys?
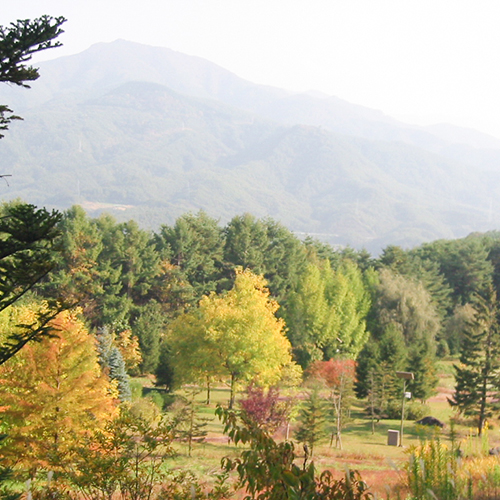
[
  {"x": 306, "y": 318},
  {"x": 327, "y": 313}
]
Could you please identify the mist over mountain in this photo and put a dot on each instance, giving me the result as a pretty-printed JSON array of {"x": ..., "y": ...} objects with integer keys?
[{"x": 149, "y": 133}]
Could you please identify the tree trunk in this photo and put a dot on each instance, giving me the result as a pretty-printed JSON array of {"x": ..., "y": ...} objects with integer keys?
[
  {"x": 482, "y": 409},
  {"x": 232, "y": 393},
  {"x": 208, "y": 392}
]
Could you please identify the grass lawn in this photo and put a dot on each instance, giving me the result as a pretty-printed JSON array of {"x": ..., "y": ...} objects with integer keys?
[{"x": 380, "y": 465}]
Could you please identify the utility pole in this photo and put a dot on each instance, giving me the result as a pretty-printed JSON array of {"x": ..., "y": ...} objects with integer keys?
[{"x": 405, "y": 376}]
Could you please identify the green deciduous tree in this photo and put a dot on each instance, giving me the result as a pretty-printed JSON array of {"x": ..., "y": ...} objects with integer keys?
[
  {"x": 327, "y": 313},
  {"x": 405, "y": 303},
  {"x": 410, "y": 265},
  {"x": 405, "y": 322},
  {"x": 235, "y": 335},
  {"x": 307, "y": 318},
  {"x": 352, "y": 302},
  {"x": 456, "y": 325}
]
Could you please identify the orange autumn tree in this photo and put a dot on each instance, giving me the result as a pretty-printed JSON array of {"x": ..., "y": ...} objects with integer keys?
[
  {"x": 129, "y": 348},
  {"x": 52, "y": 393}
]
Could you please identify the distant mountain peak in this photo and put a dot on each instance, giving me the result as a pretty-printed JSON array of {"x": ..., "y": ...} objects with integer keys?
[{"x": 124, "y": 124}]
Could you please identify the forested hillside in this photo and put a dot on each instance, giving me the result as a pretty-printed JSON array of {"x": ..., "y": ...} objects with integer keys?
[
  {"x": 151, "y": 134},
  {"x": 331, "y": 301}
]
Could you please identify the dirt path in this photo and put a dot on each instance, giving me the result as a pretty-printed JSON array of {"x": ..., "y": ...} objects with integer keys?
[{"x": 443, "y": 393}]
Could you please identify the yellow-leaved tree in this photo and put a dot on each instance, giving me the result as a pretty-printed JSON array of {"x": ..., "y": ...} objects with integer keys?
[
  {"x": 52, "y": 392},
  {"x": 235, "y": 335}
]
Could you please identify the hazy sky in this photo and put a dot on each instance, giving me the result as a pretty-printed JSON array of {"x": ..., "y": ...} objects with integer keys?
[{"x": 425, "y": 61}]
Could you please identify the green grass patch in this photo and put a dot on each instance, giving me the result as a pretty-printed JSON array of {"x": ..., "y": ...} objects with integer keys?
[{"x": 362, "y": 449}]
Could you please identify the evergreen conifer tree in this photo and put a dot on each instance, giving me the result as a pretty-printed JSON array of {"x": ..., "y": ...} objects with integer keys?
[
  {"x": 477, "y": 376},
  {"x": 376, "y": 371},
  {"x": 421, "y": 364},
  {"x": 312, "y": 421},
  {"x": 369, "y": 380},
  {"x": 111, "y": 359},
  {"x": 393, "y": 355},
  {"x": 148, "y": 326},
  {"x": 28, "y": 246},
  {"x": 118, "y": 372},
  {"x": 164, "y": 371},
  {"x": 18, "y": 43},
  {"x": 189, "y": 427}
]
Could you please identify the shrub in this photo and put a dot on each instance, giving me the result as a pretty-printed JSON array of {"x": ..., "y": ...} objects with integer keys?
[
  {"x": 267, "y": 469},
  {"x": 413, "y": 410},
  {"x": 432, "y": 472},
  {"x": 268, "y": 410},
  {"x": 157, "y": 399},
  {"x": 438, "y": 471},
  {"x": 135, "y": 389}
]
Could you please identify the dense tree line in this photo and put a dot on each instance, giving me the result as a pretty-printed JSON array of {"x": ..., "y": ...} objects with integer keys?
[
  {"x": 400, "y": 311},
  {"x": 412, "y": 304},
  {"x": 126, "y": 278}
]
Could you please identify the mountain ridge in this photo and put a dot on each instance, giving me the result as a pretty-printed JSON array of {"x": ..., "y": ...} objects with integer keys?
[{"x": 103, "y": 140}]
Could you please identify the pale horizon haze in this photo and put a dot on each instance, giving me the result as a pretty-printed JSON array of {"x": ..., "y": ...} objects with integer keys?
[{"x": 422, "y": 61}]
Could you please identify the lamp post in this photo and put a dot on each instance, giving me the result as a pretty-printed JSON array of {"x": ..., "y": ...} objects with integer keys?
[{"x": 405, "y": 376}]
